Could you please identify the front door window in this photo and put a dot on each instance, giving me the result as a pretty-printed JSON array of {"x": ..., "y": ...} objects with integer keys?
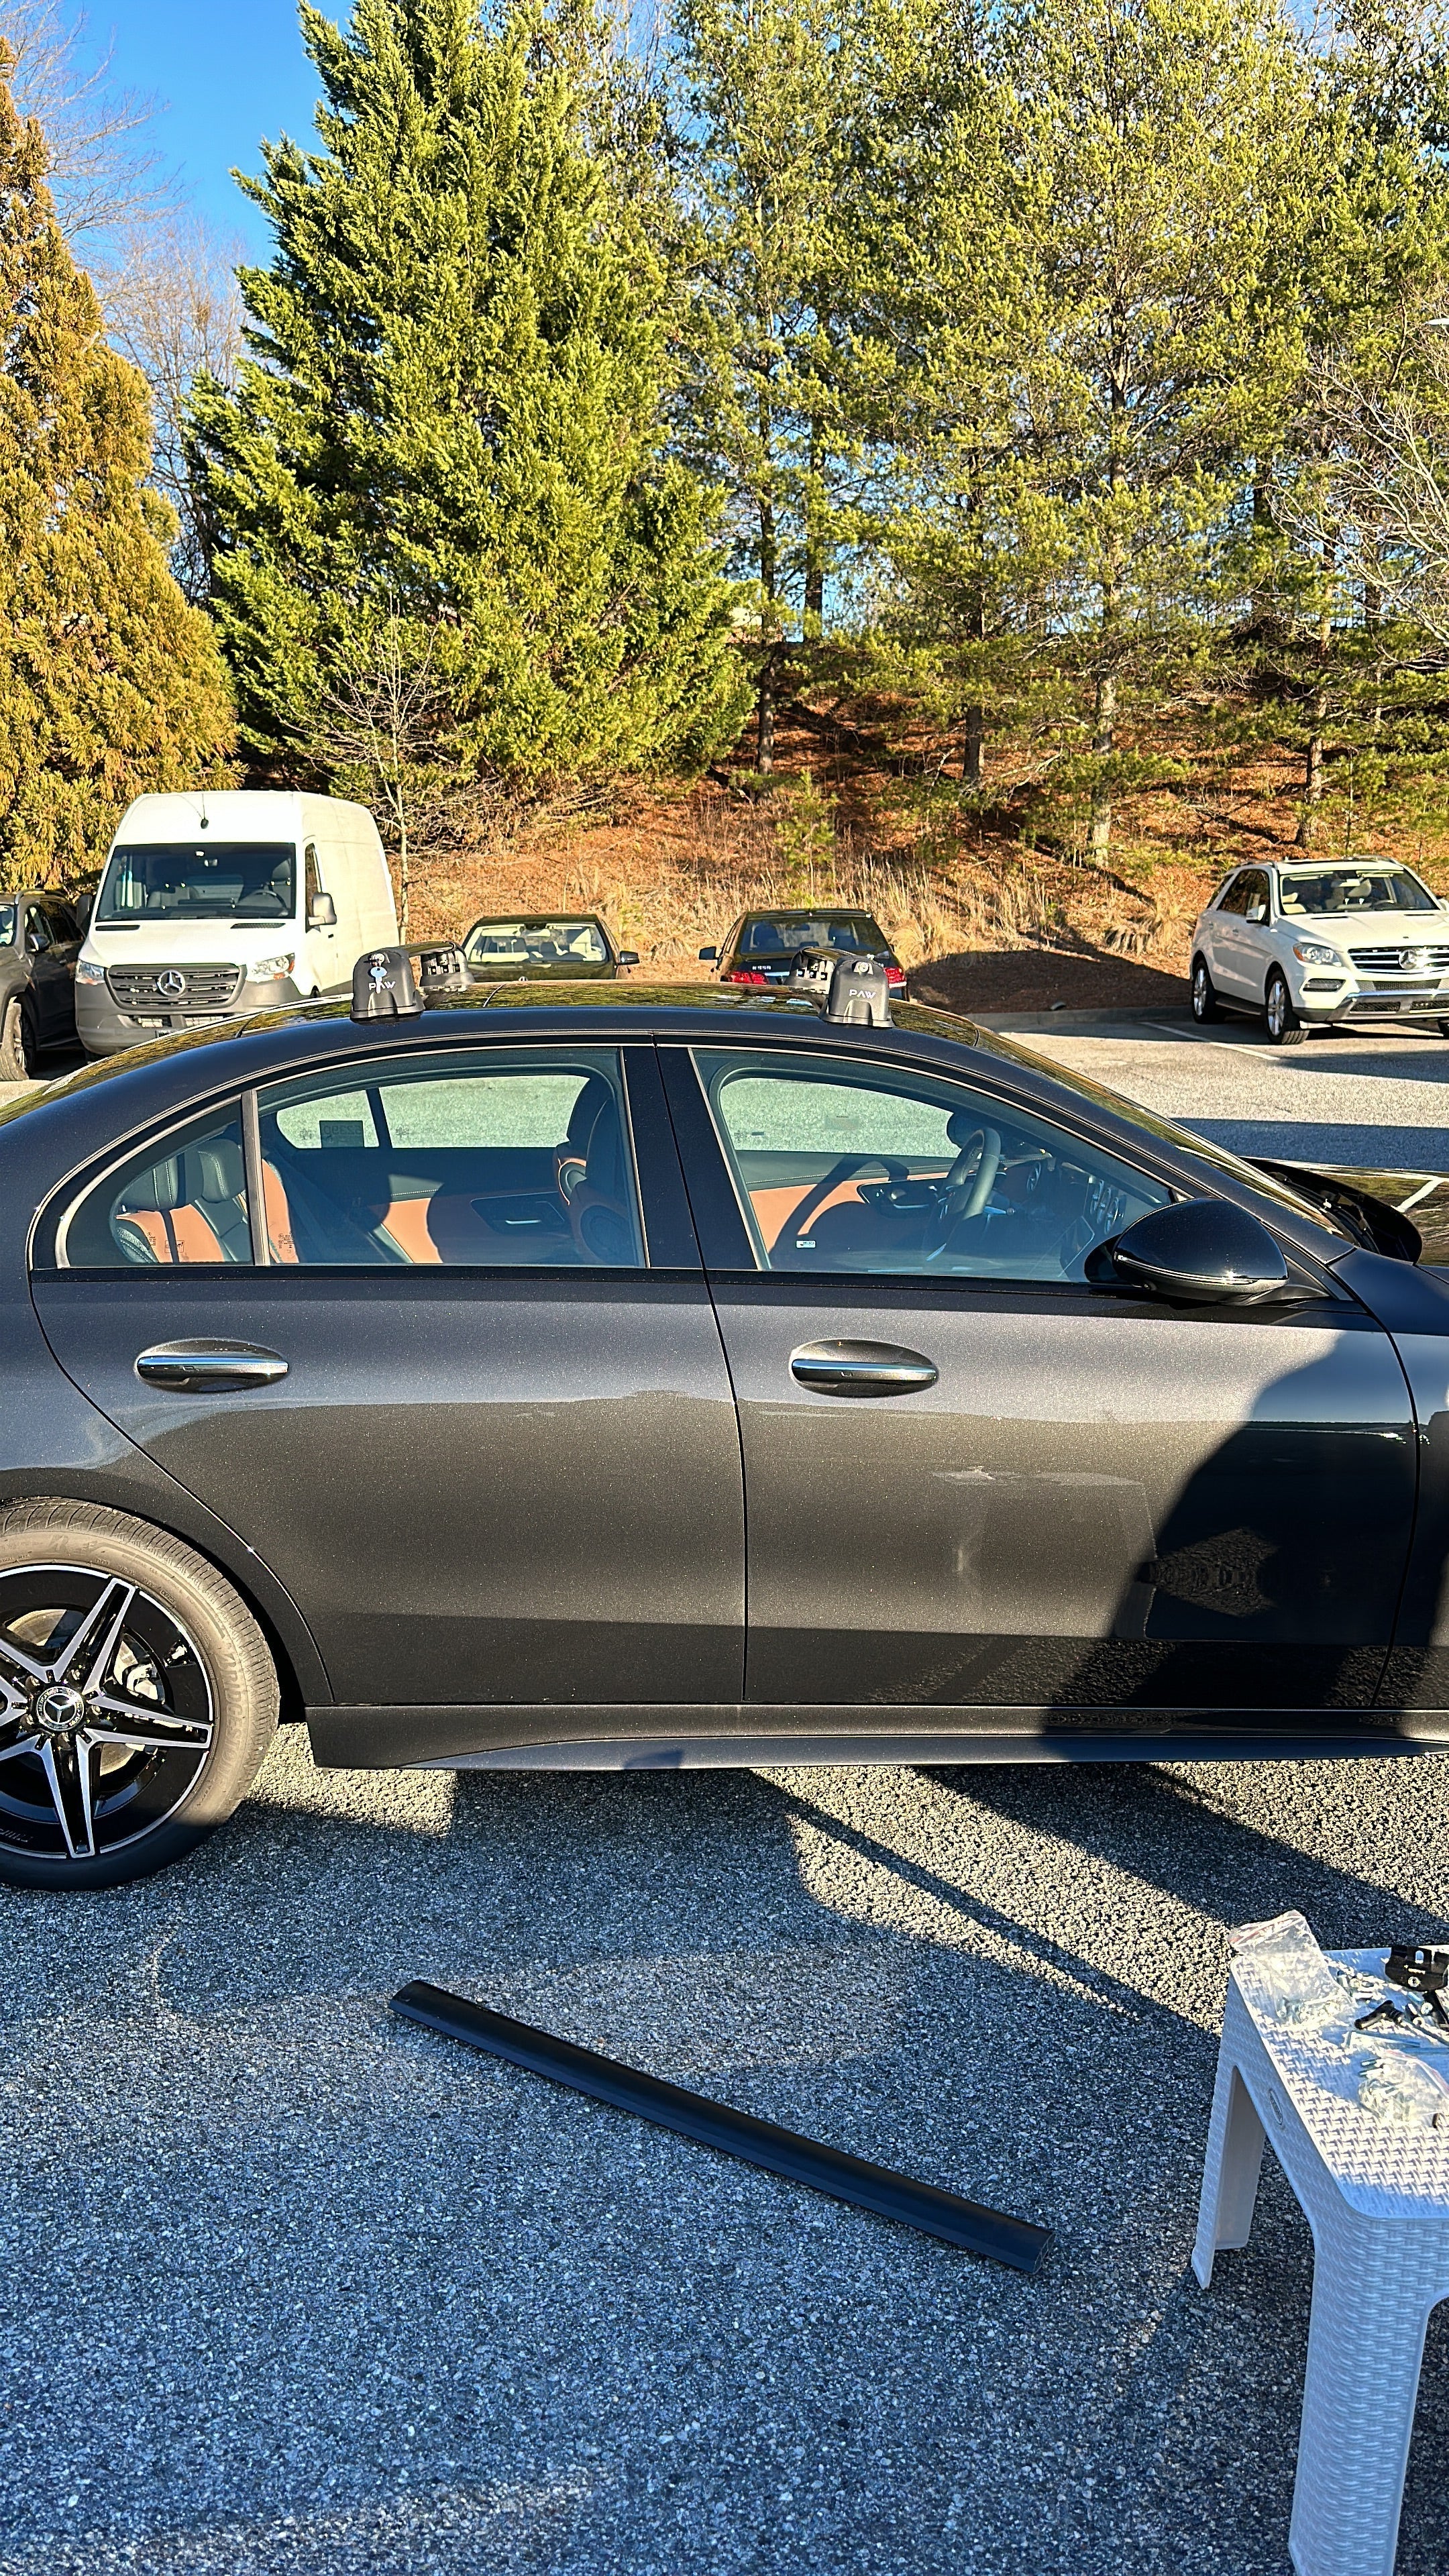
[{"x": 874, "y": 1169}]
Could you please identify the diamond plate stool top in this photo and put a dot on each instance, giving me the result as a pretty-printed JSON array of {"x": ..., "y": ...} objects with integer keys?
[{"x": 1376, "y": 2196}]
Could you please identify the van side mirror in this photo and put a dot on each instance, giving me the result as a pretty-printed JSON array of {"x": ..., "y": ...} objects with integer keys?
[
  {"x": 1199, "y": 1251},
  {"x": 323, "y": 915},
  {"x": 83, "y": 907}
]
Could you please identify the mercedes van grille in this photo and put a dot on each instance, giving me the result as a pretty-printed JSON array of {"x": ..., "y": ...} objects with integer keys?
[{"x": 154, "y": 988}]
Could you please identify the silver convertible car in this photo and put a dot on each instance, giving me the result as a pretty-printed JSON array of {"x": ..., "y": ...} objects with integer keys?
[{"x": 658, "y": 1377}]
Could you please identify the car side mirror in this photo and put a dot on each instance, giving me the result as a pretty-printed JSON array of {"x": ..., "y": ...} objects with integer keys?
[
  {"x": 708, "y": 956},
  {"x": 628, "y": 957},
  {"x": 1200, "y": 1251},
  {"x": 1257, "y": 912},
  {"x": 323, "y": 915}
]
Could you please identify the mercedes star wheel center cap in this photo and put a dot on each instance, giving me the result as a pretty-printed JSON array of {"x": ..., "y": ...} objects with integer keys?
[{"x": 59, "y": 1708}]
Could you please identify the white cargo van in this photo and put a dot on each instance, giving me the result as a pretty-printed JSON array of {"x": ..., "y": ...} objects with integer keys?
[{"x": 212, "y": 906}]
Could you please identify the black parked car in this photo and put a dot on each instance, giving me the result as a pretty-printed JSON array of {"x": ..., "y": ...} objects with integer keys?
[
  {"x": 762, "y": 946},
  {"x": 668, "y": 1377},
  {"x": 39, "y": 942},
  {"x": 544, "y": 948}
]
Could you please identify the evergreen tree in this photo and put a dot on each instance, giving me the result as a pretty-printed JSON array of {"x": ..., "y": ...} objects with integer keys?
[
  {"x": 109, "y": 683},
  {"x": 451, "y": 417}
]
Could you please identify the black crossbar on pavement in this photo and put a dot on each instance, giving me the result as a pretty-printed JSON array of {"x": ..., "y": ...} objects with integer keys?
[{"x": 1002, "y": 2239}]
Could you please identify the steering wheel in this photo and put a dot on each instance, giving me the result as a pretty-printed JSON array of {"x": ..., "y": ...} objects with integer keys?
[
  {"x": 815, "y": 1198},
  {"x": 964, "y": 1191}
]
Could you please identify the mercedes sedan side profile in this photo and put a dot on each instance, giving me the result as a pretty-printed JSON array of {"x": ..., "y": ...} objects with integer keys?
[{"x": 632, "y": 1377}]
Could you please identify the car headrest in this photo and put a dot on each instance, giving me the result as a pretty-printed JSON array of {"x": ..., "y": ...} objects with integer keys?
[
  {"x": 160, "y": 1189},
  {"x": 583, "y": 1116},
  {"x": 215, "y": 1171}
]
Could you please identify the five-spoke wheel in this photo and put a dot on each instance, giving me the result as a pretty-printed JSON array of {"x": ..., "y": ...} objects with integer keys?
[{"x": 137, "y": 1696}]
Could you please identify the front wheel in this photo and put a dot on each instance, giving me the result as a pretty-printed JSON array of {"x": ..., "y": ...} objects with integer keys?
[
  {"x": 137, "y": 1697},
  {"x": 1204, "y": 997},
  {"x": 17, "y": 1042},
  {"x": 1284, "y": 1026}
]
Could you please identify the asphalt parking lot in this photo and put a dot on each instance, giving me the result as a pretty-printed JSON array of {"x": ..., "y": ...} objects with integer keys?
[{"x": 294, "y": 2287}]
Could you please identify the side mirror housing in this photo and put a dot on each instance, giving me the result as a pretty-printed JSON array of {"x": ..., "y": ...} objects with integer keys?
[
  {"x": 709, "y": 956},
  {"x": 323, "y": 915},
  {"x": 83, "y": 907},
  {"x": 1200, "y": 1251},
  {"x": 628, "y": 957}
]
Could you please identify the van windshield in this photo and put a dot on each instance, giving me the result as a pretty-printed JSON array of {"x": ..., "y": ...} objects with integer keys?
[{"x": 217, "y": 881}]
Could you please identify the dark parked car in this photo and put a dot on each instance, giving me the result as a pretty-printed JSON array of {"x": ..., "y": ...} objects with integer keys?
[
  {"x": 544, "y": 948},
  {"x": 659, "y": 1377},
  {"x": 762, "y": 945},
  {"x": 39, "y": 942}
]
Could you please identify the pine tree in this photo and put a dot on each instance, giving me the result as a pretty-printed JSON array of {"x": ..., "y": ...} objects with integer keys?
[
  {"x": 109, "y": 683},
  {"x": 452, "y": 414}
]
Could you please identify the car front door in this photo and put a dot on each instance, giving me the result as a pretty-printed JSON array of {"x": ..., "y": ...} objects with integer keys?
[
  {"x": 1240, "y": 937},
  {"x": 975, "y": 1481},
  {"x": 52, "y": 976},
  {"x": 488, "y": 1441}
]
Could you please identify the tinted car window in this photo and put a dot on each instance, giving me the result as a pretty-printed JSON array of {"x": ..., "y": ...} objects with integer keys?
[
  {"x": 882, "y": 1169},
  {"x": 517, "y": 1157},
  {"x": 181, "y": 1201},
  {"x": 1235, "y": 896},
  {"x": 37, "y": 928},
  {"x": 8, "y": 916},
  {"x": 854, "y": 932}
]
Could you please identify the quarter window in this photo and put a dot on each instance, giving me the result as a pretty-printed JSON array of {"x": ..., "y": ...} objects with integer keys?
[
  {"x": 519, "y": 1158},
  {"x": 180, "y": 1203},
  {"x": 877, "y": 1169}
]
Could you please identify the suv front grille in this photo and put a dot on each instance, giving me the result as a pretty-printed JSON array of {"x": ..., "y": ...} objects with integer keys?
[
  {"x": 1389, "y": 961},
  {"x": 203, "y": 988}
]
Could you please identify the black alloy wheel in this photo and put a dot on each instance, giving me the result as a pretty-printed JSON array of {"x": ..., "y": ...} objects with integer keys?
[
  {"x": 1204, "y": 997},
  {"x": 137, "y": 1697},
  {"x": 1284, "y": 1026},
  {"x": 18, "y": 1049}
]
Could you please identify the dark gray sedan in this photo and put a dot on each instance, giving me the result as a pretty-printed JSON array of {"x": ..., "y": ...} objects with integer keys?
[
  {"x": 666, "y": 1377},
  {"x": 39, "y": 943}
]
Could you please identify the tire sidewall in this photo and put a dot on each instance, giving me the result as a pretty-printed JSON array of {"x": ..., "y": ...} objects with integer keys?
[
  {"x": 17, "y": 1041},
  {"x": 237, "y": 1662}
]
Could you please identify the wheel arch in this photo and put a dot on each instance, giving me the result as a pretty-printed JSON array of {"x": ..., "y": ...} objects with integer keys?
[{"x": 301, "y": 1676}]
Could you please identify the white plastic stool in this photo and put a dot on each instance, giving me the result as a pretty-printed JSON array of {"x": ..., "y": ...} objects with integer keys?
[{"x": 1376, "y": 2197}]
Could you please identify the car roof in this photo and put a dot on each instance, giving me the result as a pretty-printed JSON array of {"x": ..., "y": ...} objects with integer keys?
[
  {"x": 806, "y": 912},
  {"x": 527, "y": 920}
]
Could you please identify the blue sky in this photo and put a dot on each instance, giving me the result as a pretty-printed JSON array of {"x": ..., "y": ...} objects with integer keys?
[{"x": 227, "y": 72}]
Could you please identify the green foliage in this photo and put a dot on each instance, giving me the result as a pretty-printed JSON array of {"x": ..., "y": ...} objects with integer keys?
[
  {"x": 454, "y": 401},
  {"x": 110, "y": 684}
]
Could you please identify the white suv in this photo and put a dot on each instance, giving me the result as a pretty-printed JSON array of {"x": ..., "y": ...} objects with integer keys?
[{"x": 1317, "y": 943}]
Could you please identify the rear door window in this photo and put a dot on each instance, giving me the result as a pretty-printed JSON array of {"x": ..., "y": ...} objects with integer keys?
[{"x": 513, "y": 1157}]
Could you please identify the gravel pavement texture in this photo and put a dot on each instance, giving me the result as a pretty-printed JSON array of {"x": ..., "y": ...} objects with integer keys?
[
  {"x": 295, "y": 2287},
  {"x": 1371, "y": 1100}
]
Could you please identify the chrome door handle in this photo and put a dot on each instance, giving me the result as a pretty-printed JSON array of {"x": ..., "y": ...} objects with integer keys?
[
  {"x": 861, "y": 1368},
  {"x": 210, "y": 1364}
]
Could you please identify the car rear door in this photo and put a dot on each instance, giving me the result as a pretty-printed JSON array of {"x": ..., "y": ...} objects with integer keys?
[
  {"x": 470, "y": 1403},
  {"x": 52, "y": 973},
  {"x": 975, "y": 1482}
]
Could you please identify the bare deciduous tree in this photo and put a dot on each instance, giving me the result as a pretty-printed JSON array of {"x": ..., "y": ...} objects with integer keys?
[
  {"x": 383, "y": 717},
  {"x": 1376, "y": 495},
  {"x": 103, "y": 173},
  {"x": 175, "y": 312}
]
